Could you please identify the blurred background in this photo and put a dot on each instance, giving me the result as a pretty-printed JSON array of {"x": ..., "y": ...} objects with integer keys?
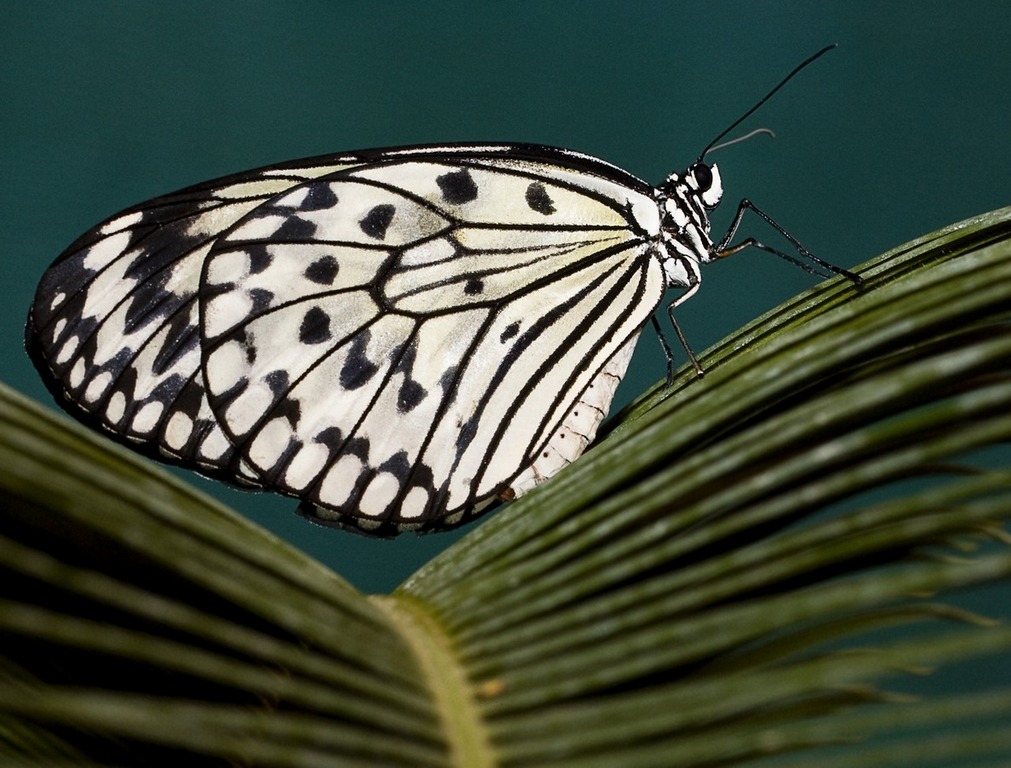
[{"x": 902, "y": 130}]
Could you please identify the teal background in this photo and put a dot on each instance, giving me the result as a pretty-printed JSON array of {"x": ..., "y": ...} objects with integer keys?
[{"x": 900, "y": 131}]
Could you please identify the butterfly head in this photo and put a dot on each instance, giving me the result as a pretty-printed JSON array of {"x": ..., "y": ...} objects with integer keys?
[
  {"x": 687, "y": 197},
  {"x": 704, "y": 180}
]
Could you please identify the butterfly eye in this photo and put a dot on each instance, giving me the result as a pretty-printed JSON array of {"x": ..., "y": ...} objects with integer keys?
[{"x": 703, "y": 176}]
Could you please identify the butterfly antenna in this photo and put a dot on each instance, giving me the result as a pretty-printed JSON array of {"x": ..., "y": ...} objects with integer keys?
[
  {"x": 769, "y": 95},
  {"x": 768, "y": 132}
]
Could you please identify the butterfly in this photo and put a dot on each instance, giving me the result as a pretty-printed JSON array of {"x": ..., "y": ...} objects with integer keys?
[{"x": 396, "y": 337}]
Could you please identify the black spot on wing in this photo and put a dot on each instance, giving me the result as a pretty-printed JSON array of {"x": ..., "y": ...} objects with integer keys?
[
  {"x": 358, "y": 370},
  {"x": 511, "y": 330},
  {"x": 295, "y": 228},
  {"x": 474, "y": 287},
  {"x": 410, "y": 395},
  {"x": 411, "y": 392},
  {"x": 323, "y": 271},
  {"x": 358, "y": 447},
  {"x": 278, "y": 382},
  {"x": 315, "y": 328},
  {"x": 397, "y": 465},
  {"x": 321, "y": 196},
  {"x": 261, "y": 298},
  {"x": 539, "y": 200},
  {"x": 377, "y": 221},
  {"x": 448, "y": 379},
  {"x": 259, "y": 257},
  {"x": 246, "y": 341},
  {"x": 331, "y": 437},
  {"x": 457, "y": 187}
]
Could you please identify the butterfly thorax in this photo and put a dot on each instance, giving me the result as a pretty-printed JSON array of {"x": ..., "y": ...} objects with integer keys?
[{"x": 685, "y": 200}]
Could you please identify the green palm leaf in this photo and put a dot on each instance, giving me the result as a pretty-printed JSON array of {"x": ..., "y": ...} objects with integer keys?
[{"x": 739, "y": 573}]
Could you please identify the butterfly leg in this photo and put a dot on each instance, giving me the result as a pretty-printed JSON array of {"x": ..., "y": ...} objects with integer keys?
[
  {"x": 724, "y": 249},
  {"x": 681, "y": 337},
  {"x": 667, "y": 353}
]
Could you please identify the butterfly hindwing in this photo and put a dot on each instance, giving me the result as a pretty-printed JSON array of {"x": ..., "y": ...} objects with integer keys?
[{"x": 115, "y": 320}]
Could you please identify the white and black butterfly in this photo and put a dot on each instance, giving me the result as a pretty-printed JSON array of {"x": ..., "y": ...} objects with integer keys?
[{"x": 397, "y": 337}]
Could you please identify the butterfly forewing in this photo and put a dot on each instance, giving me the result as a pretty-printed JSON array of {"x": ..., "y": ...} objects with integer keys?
[
  {"x": 395, "y": 337},
  {"x": 387, "y": 296}
]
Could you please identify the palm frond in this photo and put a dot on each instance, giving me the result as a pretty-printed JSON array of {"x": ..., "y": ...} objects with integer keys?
[{"x": 744, "y": 570}]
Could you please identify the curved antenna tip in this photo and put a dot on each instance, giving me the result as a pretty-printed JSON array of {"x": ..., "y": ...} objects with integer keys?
[{"x": 764, "y": 131}]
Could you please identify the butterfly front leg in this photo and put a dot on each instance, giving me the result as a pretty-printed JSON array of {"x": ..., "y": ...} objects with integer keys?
[{"x": 724, "y": 249}]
